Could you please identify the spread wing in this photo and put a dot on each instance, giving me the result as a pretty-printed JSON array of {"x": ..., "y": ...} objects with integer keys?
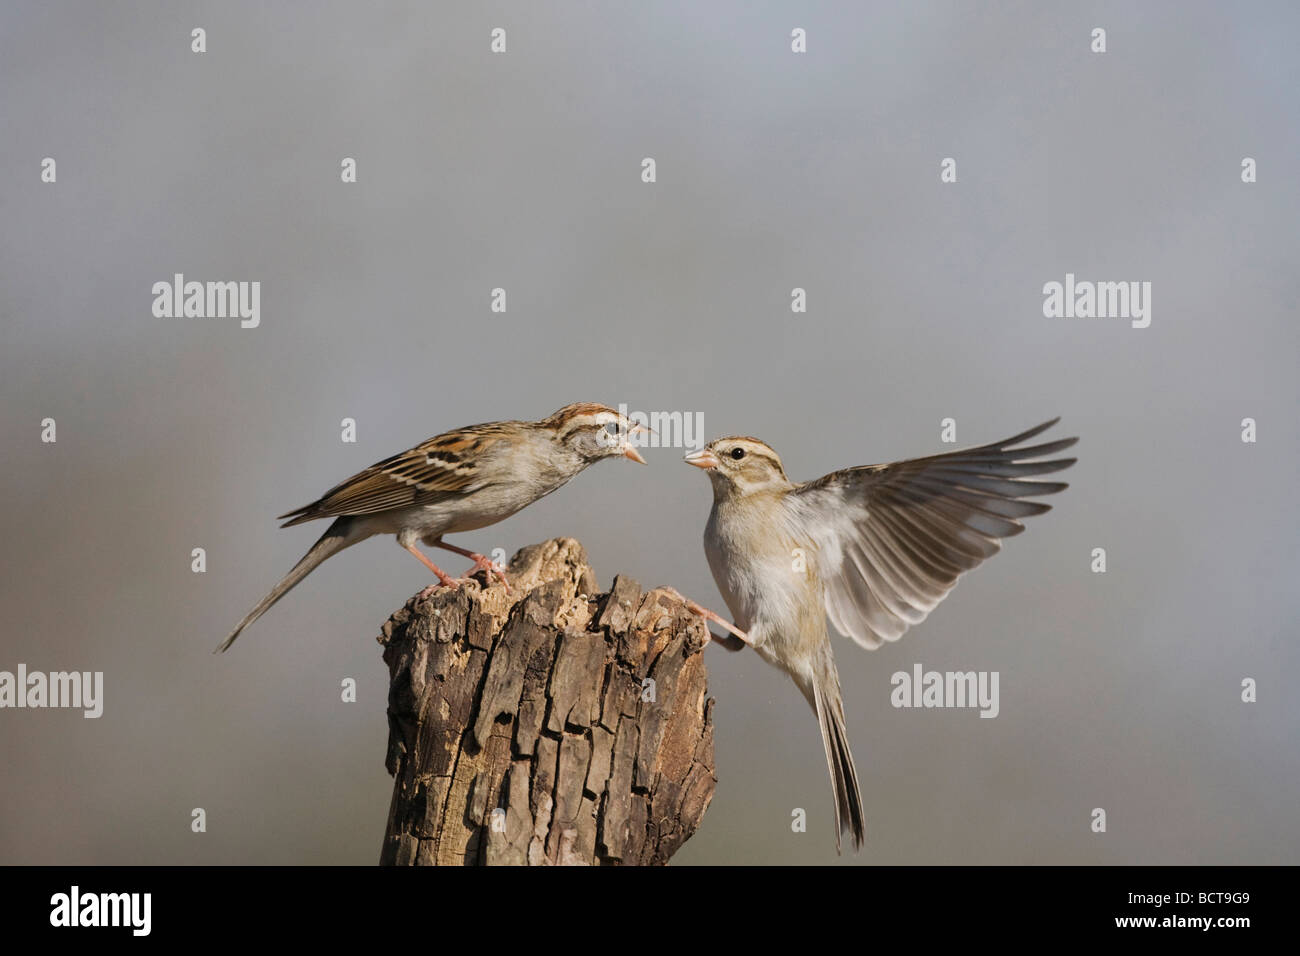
[
  {"x": 897, "y": 537},
  {"x": 447, "y": 464}
]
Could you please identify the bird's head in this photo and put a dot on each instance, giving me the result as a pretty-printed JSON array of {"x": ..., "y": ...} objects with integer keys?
[
  {"x": 593, "y": 432},
  {"x": 740, "y": 466}
]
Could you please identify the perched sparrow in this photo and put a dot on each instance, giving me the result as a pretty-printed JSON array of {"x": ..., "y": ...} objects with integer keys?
[
  {"x": 458, "y": 481},
  {"x": 875, "y": 548}
]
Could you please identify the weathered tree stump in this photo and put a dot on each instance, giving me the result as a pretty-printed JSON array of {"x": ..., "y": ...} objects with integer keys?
[{"x": 547, "y": 725}]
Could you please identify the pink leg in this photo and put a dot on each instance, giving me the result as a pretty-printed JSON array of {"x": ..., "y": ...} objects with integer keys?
[
  {"x": 718, "y": 619},
  {"x": 480, "y": 563},
  {"x": 444, "y": 580}
]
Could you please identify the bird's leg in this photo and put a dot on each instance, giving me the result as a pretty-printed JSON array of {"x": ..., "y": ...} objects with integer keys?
[
  {"x": 480, "y": 562},
  {"x": 444, "y": 579},
  {"x": 731, "y": 643},
  {"x": 738, "y": 637}
]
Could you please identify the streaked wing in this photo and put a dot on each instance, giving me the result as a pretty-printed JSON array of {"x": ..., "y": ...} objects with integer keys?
[
  {"x": 897, "y": 537},
  {"x": 444, "y": 465}
]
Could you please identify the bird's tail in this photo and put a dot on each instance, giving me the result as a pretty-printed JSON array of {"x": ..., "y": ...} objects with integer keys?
[
  {"x": 844, "y": 777},
  {"x": 338, "y": 536}
]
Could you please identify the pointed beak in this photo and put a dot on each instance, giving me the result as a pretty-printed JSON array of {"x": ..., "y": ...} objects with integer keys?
[
  {"x": 629, "y": 451},
  {"x": 703, "y": 458}
]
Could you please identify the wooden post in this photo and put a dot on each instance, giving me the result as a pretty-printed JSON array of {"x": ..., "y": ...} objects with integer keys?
[{"x": 547, "y": 725}]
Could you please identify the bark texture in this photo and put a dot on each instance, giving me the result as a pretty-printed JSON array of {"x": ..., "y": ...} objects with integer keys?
[{"x": 547, "y": 725}]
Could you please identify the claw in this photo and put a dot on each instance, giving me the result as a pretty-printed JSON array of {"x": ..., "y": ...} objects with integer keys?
[
  {"x": 480, "y": 562},
  {"x": 455, "y": 583},
  {"x": 487, "y": 564}
]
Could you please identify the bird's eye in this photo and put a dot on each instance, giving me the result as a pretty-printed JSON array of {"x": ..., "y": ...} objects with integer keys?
[
  {"x": 737, "y": 453},
  {"x": 613, "y": 428}
]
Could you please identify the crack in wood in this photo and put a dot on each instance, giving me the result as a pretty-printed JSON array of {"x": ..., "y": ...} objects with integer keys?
[{"x": 523, "y": 727}]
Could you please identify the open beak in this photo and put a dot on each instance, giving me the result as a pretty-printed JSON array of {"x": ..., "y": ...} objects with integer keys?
[
  {"x": 629, "y": 451},
  {"x": 703, "y": 458}
]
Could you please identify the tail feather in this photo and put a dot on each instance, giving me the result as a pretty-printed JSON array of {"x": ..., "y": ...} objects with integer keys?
[
  {"x": 839, "y": 759},
  {"x": 338, "y": 536},
  {"x": 301, "y": 515}
]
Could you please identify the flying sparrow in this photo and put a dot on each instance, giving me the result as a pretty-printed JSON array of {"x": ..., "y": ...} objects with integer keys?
[
  {"x": 461, "y": 480},
  {"x": 875, "y": 548}
]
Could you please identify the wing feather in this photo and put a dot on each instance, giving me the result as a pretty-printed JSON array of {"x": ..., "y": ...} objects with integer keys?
[
  {"x": 897, "y": 537},
  {"x": 444, "y": 466}
]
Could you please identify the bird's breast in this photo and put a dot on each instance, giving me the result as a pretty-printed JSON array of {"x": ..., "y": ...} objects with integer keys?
[{"x": 766, "y": 575}]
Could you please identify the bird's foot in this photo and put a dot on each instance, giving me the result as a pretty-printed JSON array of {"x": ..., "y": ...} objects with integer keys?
[
  {"x": 444, "y": 581},
  {"x": 480, "y": 562},
  {"x": 737, "y": 635},
  {"x": 487, "y": 564}
]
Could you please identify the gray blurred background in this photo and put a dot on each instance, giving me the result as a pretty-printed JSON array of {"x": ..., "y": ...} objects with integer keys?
[{"x": 775, "y": 170}]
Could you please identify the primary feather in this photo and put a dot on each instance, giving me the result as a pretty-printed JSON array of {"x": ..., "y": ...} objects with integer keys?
[{"x": 895, "y": 538}]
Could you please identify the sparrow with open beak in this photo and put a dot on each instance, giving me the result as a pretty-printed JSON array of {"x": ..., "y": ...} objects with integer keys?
[
  {"x": 461, "y": 480},
  {"x": 875, "y": 548}
]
